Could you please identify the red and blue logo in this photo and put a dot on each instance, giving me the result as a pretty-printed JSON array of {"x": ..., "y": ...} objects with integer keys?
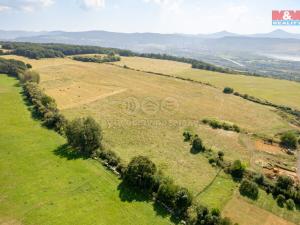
[{"x": 286, "y": 17}]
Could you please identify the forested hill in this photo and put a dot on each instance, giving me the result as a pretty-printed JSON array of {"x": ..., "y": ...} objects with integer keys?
[{"x": 38, "y": 51}]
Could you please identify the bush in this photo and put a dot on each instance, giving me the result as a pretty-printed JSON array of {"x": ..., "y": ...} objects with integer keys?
[
  {"x": 84, "y": 134},
  {"x": 280, "y": 200},
  {"x": 211, "y": 160},
  {"x": 110, "y": 157},
  {"x": 29, "y": 66},
  {"x": 140, "y": 173},
  {"x": 12, "y": 67},
  {"x": 220, "y": 155},
  {"x": 29, "y": 75},
  {"x": 228, "y": 90},
  {"x": 221, "y": 125},
  {"x": 237, "y": 169},
  {"x": 182, "y": 201},
  {"x": 249, "y": 189},
  {"x": 187, "y": 136},
  {"x": 167, "y": 192},
  {"x": 290, "y": 204},
  {"x": 289, "y": 140},
  {"x": 44, "y": 107},
  {"x": 98, "y": 59},
  {"x": 197, "y": 145},
  {"x": 284, "y": 182},
  {"x": 55, "y": 120},
  {"x": 259, "y": 179}
]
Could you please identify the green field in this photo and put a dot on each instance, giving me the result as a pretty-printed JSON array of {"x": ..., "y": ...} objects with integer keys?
[
  {"x": 39, "y": 185},
  {"x": 218, "y": 193},
  {"x": 136, "y": 119}
]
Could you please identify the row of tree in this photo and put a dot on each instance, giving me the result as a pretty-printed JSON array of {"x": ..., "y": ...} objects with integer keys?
[
  {"x": 12, "y": 67},
  {"x": 19, "y": 70},
  {"x": 44, "y": 107},
  {"x": 221, "y": 125},
  {"x": 38, "y": 51},
  {"x": 97, "y": 59},
  {"x": 142, "y": 174}
]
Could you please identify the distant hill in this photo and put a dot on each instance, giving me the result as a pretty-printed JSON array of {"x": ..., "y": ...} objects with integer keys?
[
  {"x": 9, "y": 35},
  {"x": 265, "y": 53},
  {"x": 155, "y": 42},
  {"x": 277, "y": 34}
]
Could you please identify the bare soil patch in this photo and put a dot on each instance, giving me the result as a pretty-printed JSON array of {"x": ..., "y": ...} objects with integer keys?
[{"x": 269, "y": 148}]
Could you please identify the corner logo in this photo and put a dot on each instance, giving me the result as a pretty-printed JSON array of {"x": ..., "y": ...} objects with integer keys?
[{"x": 286, "y": 17}]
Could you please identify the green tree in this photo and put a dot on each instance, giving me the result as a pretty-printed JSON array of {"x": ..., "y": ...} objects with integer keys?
[
  {"x": 289, "y": 140},
  {"x": 228, "y": 90},
  {"x": 290, "y": 204},
  {"x": 249, "y": 189},
  {"x": 29, "y": 75},
  {"x": 140, "y": 173},
  {"x": 183, "y": 200},
  {"x": 167, "y": 193},
  {"x": 187, "y": 136},
  {"x": 280, "y": 200},
  {"x": 284, "y": 182},
  {"x": 84, "y": 134},
  {"x": 197, "y": 145},
  {"x": 237, "y": 169}
]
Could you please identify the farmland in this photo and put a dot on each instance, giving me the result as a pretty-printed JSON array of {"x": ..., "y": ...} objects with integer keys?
[
  {"x": 277, "y": 91},
  {"x": 146, "y": 114},
  {"x": 39, "y": 185}
]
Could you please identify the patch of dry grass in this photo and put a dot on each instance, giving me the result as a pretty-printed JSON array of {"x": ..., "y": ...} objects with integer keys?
[
  {"x": 245, "y": 213},
  {"x": 144, "y": 114},
  {"x": 154, "y": 65},
  {"x": 278, "y": 91}
]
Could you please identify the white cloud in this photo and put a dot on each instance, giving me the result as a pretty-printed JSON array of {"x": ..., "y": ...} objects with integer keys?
[
  {"x": 168, "y": 5},
  {"x": 4, "y": 8},
  {"x": 92, "y": 4},
  {"x": 25, "y": 5}
]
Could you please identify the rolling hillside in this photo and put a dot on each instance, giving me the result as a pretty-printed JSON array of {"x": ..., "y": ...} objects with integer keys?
[
  {"x": 40, "y": 185},
  {"x": 145, "y": 113}
]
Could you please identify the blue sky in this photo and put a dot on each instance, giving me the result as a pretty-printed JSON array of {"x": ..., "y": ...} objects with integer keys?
[{"x": 164, "y": 16}]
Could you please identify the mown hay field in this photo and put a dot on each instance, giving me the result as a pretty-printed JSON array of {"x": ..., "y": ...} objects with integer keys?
[
  {"x": 146, "y": 114},
  {"x": 264, "y": 211},
  {"x": 40, "y": 185},
  {"x": 278, "y": 91}
]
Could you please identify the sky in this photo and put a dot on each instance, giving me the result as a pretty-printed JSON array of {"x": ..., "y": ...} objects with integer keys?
[{"x": 160, "y": 16}]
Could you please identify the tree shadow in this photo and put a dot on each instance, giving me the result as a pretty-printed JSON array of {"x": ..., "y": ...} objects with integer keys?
[
  {"x": 34, "y": 114},
  {"x": 130, "y": 194},
  {"x": 161, "y": 211},
  {"x": 65, "y": 151},
  {"x": 195, "y": 151}
]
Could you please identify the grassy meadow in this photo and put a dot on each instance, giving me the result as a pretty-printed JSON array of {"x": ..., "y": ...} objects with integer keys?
[
  {"x": 40, "y": 185},
  {"x": 145, "y": 114},
  {"x": 278, "y": 91}
]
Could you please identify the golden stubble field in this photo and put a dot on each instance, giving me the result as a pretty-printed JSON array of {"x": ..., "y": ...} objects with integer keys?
[
  {"x": 145, "y": 114},
  {"x": 278, "y": 91}
]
